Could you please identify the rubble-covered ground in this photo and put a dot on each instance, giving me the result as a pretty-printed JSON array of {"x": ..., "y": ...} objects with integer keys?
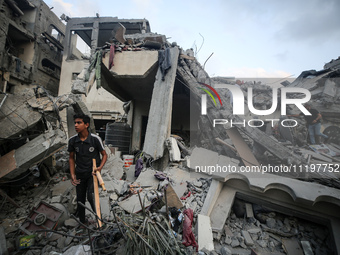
[{"x": 134, "y": 213}]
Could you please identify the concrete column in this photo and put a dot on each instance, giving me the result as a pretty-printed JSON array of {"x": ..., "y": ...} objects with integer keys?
[
  {"x": 94, "y": 37},
  {"x": 159, "y": 123}
]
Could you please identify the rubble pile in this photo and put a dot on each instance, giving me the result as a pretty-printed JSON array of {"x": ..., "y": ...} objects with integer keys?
[
  {"x": 118, "y": 208},
  {"x": 269, "y": 232}
]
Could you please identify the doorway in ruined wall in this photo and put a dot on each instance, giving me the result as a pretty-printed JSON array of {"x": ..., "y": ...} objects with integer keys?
[{"x": 180, "y": 122}]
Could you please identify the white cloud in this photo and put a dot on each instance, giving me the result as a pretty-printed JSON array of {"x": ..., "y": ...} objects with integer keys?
[
  {"x": 61, "y": 7},
  {"x": 259, "y": 72},
  {"x": 75, "y": 9}
]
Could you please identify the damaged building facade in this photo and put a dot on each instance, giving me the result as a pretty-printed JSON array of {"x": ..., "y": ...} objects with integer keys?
[
  {"x": 31, "y": 46},
  {"x": 152, "y": 88}
]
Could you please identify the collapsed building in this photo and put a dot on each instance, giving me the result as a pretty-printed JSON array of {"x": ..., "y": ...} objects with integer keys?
[{"x": 159, "y": 85}]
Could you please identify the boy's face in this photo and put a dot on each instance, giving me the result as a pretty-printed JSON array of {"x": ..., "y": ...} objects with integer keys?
[{"x": 80, "y": 126}]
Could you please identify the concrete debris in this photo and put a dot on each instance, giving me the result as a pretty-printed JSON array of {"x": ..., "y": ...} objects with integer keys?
[{"x": 191, "y": 174}]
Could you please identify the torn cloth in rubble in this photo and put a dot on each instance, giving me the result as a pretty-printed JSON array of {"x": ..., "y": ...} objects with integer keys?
[
  {"x": 95, "y": 63},
  {"x": 112, "y": 55},
  {"x": 188, "y": 236},
  {"x": 164, "y": 61},
  {"x": 138, "y": 167}
]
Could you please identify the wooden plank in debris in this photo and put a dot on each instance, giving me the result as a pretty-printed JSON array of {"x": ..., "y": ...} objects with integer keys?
[
  {"x": 292, "y": 247},
  {"x": 242, "y": 148},
  {"x": 97, "y": 200},
  {"x": 221, "y": 209},
  {"x": 159, "y": 123},
  {"x": 172, "y": 198},
  {"x": 307, "y": 249},
  {"x": 249, "y": 210}
]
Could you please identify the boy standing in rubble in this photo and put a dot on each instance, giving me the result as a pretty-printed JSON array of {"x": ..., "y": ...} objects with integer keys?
[{"x": 84, "y": 147}]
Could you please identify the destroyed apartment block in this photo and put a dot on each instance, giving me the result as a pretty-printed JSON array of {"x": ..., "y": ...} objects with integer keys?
[
  {"x": 225, "y": 212},
  {"x": 30, "y": 62}
]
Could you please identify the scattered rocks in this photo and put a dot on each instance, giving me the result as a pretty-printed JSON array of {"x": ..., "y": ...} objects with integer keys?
[
  {"x": 225, "y": 251},
  {"x": 271, "y": 223}
]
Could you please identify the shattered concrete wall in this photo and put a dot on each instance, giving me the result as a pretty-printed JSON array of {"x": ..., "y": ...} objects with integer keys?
[{"x": 30, "y": 46}]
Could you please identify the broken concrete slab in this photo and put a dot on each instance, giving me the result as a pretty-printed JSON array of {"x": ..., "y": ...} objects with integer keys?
[
  {"x": 249, "y": 210},
  {"x": 61, "y": 188},
  {"x": 175, "y": 154},
  {"x": 247, "y": 238},
  {"x": 242, "y": 148},
  {"x": 221, "y": 209},
  {"x": 113, "y": 185},
  {"x": 113, "y": 166},
  {"x": 16, "y": 115},
  {"x": 292, "y": 247},
  {"x": 130, "y": 173},
  {"x": 179, "y": 179},
  {"x": 159, "y": 123},
  {"x": 147, "y": 178},
  {"x": 172, "y": 199},
  {"x": 18, "y": 161},
  {"x": 133, "y": 205},
  {"x": 307, "y": 249},
  {"x": 72, "y": 223},
  {"x": 204, "y": 235},
  {"x": 210, "y": 200},
  {"x": 207, "y": 162}
]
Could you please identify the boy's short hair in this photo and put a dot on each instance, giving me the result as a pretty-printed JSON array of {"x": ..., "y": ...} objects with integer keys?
[{"x": 84, "y": 117}]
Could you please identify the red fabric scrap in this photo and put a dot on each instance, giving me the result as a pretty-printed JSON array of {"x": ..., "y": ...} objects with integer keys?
[
  {"x": 188, "y": 236},
  {"x": 187, "y": 195}
]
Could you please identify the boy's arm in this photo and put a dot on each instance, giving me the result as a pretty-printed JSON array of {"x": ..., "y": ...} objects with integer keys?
[
  {"x": 72, "y": 164},
  {"x": 104, "y": 158}
]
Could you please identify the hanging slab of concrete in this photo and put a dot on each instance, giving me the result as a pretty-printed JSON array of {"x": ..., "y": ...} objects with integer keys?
[
  {"x": 18, "y": 161},
  {"x": 242, "y": 148},
  {"x": 16, "y": 115},
  {"x": 205, "y": 236},
  {"x": 221, "y": 210},
  {"x": 159, "y": 123},
  {"x": 213, "y": 194}
]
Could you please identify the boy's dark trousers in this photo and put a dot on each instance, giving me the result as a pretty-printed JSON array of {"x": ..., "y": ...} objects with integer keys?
[{"x": 84, "y": 187}]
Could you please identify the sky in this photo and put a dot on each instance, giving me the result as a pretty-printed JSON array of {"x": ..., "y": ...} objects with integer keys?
[{"x": 247, "y": 38}]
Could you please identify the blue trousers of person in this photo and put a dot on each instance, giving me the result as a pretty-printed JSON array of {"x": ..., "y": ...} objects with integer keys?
[{"x": 313, "y": 130}]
